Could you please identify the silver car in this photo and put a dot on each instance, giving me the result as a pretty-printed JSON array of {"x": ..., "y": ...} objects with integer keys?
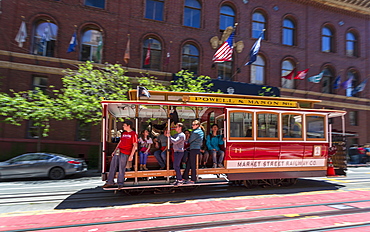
[{"x": 54, "y": 166}]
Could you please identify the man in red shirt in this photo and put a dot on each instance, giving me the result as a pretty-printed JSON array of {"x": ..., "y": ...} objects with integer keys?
[{"x": 127, "y": 146}]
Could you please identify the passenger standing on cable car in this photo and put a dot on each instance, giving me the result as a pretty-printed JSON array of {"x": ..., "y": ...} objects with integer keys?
[
  {"x": 127, "y": 147},
  {"x": 195, "y": 141},
  {"x": 178, "y": 141},
  {"x": 214, "y": 141}
]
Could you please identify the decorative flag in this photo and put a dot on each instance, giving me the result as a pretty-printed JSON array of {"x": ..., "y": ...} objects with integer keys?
[
  {"x": 72, "y": 43},
  {"x": 142, "y": 91},
  {"x": 22, "y": 34},
  {"x": 290, "y": 75},
  {"x": 336, "y": 83},
  {"x": 317, "y": 78},
  {"x": 126, "y": 57},
  {"x": 301, "y": 75},
  {"x": 255, "y": 49},
  {"x": 347, "y": 83},
  {"x": 147, "y": 57},
  {"x": 360, "y": 87},
  {"x": 98, "y": 52},
  {"x": 46, "y": 36},
  {"x": 225, "y": 52}
]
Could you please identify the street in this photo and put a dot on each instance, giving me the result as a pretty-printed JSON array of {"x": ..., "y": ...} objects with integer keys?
[{"x": 79, "y": 203}]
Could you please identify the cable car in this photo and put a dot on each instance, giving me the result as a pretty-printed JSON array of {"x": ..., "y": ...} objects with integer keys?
[{"x": 267, "y": 140}]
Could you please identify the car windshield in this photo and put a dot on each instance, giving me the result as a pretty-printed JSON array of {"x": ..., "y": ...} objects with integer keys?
[
  {"x": 63, "y": 156},
  {"x": 31, "y": 157}
]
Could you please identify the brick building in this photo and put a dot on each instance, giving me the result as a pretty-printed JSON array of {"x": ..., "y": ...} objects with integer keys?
[{"x": 328, "y": 37}]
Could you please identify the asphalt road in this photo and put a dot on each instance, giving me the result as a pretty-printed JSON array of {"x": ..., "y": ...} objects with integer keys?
[
  {"x": 84, "y": 191},
  {"x": 80, "y": 203}
]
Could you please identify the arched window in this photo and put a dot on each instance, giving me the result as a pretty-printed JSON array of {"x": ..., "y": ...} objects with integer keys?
[
  {"x": 258, "y": 71},
  {"x": 44, "y": 39},
  {"x": 92, "y": 45},
  {"x": 152, "y": 54},
  {"x": 327, "y": 81},
  {"x": 351, "y": 44},
  {"x": 351, "y": 82},
  {"x": 327, "y": 40},
  {"x": 288, "y": 32},
  {"x": 190, "y": 58},
  {"x": 258, "y": 24},
  {"x": 286, "y": 68},
  {"x": 227, "y": 17},
  {"x": 154, "y": 9},
  {"x": 192, "y": 13}
]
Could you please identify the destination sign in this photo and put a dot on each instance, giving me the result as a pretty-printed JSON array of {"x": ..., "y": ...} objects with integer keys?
[{"x": 240, "y": 101}]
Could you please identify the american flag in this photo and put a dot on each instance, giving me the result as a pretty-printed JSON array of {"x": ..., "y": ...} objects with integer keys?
[{"x": 225, "y": 52}]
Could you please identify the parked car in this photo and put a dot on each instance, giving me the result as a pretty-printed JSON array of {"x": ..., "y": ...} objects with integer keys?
[{"x": 54, "y": 166}]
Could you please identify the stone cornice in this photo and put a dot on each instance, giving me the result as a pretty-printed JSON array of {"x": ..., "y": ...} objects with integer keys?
[
  {"x": 71, "y": 62},
  {"x": 359, "y": 6}
]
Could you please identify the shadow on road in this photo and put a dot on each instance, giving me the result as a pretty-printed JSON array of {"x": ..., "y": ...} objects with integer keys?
[{"x": 97, "y": 197}]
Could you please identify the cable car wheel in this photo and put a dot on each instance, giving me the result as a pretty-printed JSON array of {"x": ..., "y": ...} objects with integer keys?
[
  {"x": 133, "y": 192},
  {"x": 289, "y": 182},
  {"x": 249, "y": 183},
  {"x": 164, "y": 190},
  {"x": 186, "y": 189}
]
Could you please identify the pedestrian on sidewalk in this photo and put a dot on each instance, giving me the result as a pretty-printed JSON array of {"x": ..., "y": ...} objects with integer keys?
[
  {"x": 178, "y": 141},
  {"x": 195, "y": 141},
  {"x": 127, "y": 147}
]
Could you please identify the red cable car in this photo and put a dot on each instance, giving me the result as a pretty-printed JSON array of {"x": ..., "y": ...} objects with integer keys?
[{"x": 267, "y": 140}]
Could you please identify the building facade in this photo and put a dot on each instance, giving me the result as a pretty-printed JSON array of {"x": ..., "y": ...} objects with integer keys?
[{"x": 329, "y": 38}]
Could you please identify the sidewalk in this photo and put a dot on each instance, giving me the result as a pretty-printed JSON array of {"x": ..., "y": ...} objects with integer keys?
[
  {"x": 358, "y": 165},
  {"x": 91, "y": 173}
]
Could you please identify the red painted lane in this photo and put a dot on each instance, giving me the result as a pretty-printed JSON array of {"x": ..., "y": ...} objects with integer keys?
[
  {"x": 301, "y": 224},
  {"x": 217, "y": 205},
  {"x": 276, "y": 226}
]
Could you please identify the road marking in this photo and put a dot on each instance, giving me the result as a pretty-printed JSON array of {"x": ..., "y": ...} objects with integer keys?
[
  {"x": 291, "y": 215},
  {"x": 336, "y": 180}
]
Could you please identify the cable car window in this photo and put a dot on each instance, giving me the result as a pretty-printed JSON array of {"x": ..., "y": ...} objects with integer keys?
[
  {"x": 292, "y": 126},
  {"x": 315, "y": 126},
  {"x": 241, "y": 124},
  {"x": 267, "y": 125}
]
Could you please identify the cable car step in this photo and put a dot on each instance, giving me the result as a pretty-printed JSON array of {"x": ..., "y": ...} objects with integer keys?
[{"x": 163, "y": 184}]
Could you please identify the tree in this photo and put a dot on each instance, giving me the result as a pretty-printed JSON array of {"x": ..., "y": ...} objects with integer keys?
[
  {"x": 82, "y": 92},
  {"x": 33, "y": 105},
  {"x": 187, "y": 82}
]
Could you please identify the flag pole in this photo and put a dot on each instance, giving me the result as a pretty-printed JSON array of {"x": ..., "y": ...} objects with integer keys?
[
  {"x": 126, "y": 56},
  {"x": 245, "y": 59}
]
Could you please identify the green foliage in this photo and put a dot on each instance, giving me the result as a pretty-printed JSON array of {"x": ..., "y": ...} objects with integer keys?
[
  {"x": 267, "y": 91},
  {"x": 151, "y": 83},
  {"x": 84, "y": 88},
  {"x": 32, "y": 105},
  {"x": 187, "y": 82},
  {"x": 82, "y": 92}
]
